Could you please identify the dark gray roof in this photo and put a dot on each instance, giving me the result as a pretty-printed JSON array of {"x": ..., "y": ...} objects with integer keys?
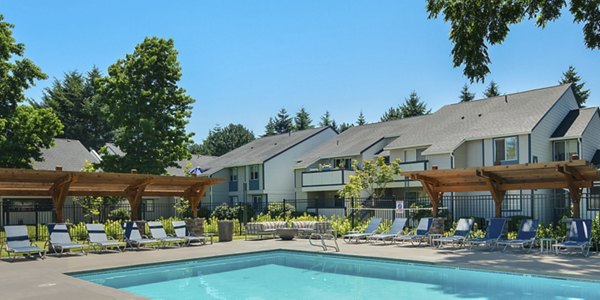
[
  {"x": 357, "y": 139},
  {"x": 197, "y": 161},
  {"x": 262, "y": 149},
  {"x": 453, "y": 124},
  {"x": 70, "y": 154},
  {"x": 575, "y": 123}
]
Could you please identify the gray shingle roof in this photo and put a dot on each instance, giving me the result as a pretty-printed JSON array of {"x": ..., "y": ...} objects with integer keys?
[
  {"x": 201, "y": 161},
  {"x": 453, "y": 124},
  {"x": 575, "y": 123},
  {"x": 262, "y": 149},
  {"x": 355, "y": 140},
  {"x": 70, "y": 154}
]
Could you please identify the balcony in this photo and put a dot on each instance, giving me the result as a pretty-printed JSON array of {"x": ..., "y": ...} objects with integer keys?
[
  {"x": 233, "y": 186},
  {"x": 324, "y": 180},
  {"x": 403, "y": 182},
  {"x": 254, "y": 185}
]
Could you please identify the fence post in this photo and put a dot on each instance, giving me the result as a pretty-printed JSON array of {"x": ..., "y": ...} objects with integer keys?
[
  {"x": 37, "y": 234},
  {"x": 352, "y": 212},
  {"x": 284, "y": 208},
  {"x": 317, "y": 206}
]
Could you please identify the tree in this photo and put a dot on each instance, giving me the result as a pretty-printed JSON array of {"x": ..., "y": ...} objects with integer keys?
[
  {"x": 465, "y": 94},
  {"x": 197, "y": 149},
  {"x": 326, "y": 120},
  {"x": 361, "y": 119},
  {"x": 77, "y": 104},
  {"x": 270, "y": 128},
  {"x": 372, "y": 178},
  {"x": 571, "y": 76},
  {"x": 393, "y": 113},
  {"x": 344, "y": 126},
  {"x": 222, "y": 140},
  {"x": 148, "y": 109},
  {"x": 24, "y": 129},
  {"x": 95, "y": 206},
  {"x": 283, "y": 122},
  {"x": 413, "y": 106},
  {"x": 477, "y": 24},
  {"x": 492, "y": 90},
  {"x": 302, "y": 120}
]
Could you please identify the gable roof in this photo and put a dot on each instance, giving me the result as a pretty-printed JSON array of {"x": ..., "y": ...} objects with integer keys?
[
  {"x": 453, "y": 124},
  {"x": 574, "y": 124},
  {"x": 197, "y": 161},
  {"x": 70, "y": 154},
  {"x": 262, "y": 149},
  {"x": 357, "y": 139}
]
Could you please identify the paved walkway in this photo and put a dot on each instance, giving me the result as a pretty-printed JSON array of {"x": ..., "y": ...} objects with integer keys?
[{"x": 44, "y": 279}]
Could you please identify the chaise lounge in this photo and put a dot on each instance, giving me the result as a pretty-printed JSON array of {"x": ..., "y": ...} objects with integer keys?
[
  {"x": 60, "y": 240},
  {"x": 579, "y": 237},
  {"x": 17, "y": 242},
  {"x": 358, "y": 236},
  {"x": 99, "y": 240}
]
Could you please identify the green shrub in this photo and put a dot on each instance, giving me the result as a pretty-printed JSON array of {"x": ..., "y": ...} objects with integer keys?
[
  {"x": 119, "y": 214},
  {"x": 278, "y": 209},
  {"x": 223, "y": 212},
  {"x": 240, "y": 209},
  {"x": 78, "y": 232}
]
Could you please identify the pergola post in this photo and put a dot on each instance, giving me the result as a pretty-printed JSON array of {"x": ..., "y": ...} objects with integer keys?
[
  {"x": 60, "y": 190},
  {"x": 571, "y": 176},
  {"x": 493, "y": 183},
  {"x": 134, "y": 195},
  {"x": 195, "y": 195},
  {"x": 434, "y": 196}
]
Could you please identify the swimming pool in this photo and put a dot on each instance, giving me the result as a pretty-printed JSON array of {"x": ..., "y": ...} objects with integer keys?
[{"x": 299, "y": 275}]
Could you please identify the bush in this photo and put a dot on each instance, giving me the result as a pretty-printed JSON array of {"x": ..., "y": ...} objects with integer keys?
[
  {"x": 241, "y": 208},
  {"x": 119, "y": 214},
  {"x": 223, "y": 212},
  {"x": 278, "y": 209}
]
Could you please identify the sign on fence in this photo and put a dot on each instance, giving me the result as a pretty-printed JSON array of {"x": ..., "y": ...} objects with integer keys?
[{"x": 399, "y": 206}]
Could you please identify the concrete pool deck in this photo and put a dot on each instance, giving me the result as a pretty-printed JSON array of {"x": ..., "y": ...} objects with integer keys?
[{"x": 45, "y": 279}]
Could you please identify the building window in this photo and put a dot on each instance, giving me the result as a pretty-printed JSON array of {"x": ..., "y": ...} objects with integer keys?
[
  {"x": 420, "y": 155},
  {"x": 563, "y": 150},
  {"x": 254, "y": 172},
  {"x": 342, "y": 163},
  {"x": 506, "y": 150},
  {"x": 234, "y": 175},
  {"x": 594, "y": 199}
]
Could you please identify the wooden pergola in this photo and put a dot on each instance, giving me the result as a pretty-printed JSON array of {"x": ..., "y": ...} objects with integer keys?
[
  {"x": 573, "y": 175},
  {"x": 60, "y": 184}
]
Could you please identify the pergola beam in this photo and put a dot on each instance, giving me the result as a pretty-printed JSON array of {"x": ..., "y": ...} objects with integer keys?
[{"x": 493, "y": 183}]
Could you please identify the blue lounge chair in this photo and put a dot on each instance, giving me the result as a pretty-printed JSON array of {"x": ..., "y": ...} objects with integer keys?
[
  {"x": 98, "y": 239},
  {"x": 181, "y": 232},
  {"x": 357, "y": 236},
  {"x": 420, "y": 235},
  {"x": 134, "y": 239},
  {"x": 395, "y": 230},
  {"x": 525, "y": 237},
  {"x": 492, "y": 234},
  {"x": 579, "y": 237},
  {"x": 17, "y": 242},
  {"x": 461, "y": 233},
  {"x": 158, "y": 232},
  {"x": 60, "y": 240}
]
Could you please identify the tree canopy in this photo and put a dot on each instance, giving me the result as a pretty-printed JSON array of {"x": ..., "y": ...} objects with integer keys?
[
  {"x": 148, "y": 109},
  {"x": 24, "y": 129},
  {"x": 76, "y": 102},
  {"x": 571, "y": 76},
  {"x": 465, "y": 94},
  {"x": 327, "y": 120},
  {"x": 282, "y": 123},
  {"x": 492, "y": 90},
  {"x": 413, "y": 106},
  {"x": 361, "y": 119},
  {"x": 302, "y": 120},
  {"x": 475, "y": 24},
  {"x": 393, "y": 113},
  {"x": 372, "y": 178},
  {"x": 222, "y": 140}
]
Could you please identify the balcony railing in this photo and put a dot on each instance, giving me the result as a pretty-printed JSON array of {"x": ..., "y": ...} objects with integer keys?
[
  {"x": 325, "y": 177},
  {"x": 254, "y": 185},
  {"x": 233, "y": 186},
  {"x": 419, "y": 165}
]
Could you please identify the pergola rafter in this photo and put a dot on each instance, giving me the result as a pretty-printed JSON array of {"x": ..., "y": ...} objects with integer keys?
[
  {"x": 573, "y": 175},
  {"x": 60, "y": 184}
]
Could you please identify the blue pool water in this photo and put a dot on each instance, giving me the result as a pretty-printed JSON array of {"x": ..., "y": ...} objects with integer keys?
[{"x": 299, "y": 275}]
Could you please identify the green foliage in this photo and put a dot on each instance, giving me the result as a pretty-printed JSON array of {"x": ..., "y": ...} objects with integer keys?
[
  {"x": 92, "y": 205},
  {"x": 148, "y": 110},
  {"x": 341, "y": 225},
  {"x": 326, "y": 120},
  {"x": 393, "y": 113},
  {"x": 282, "y": 123},
  {"x": 119, "y": 214},
  {"x": 345, "y": 126},
  {"x": 492, "y": 90},
  {"x": 465, "y": 94},
  {"x": 279, "y": 210},
  {"x": 477, "y": 24},
  {"x": 76, "y": 102},
  {"x": 361, "y": 119},
  {"x": 373, "y": 178},
  {"x": 223, "y": 212},
  {"x": 240, "y": 209},
  {"x": 302, "y": 120},
  {"x": 552, "y": 231},
  {"x": 412, "y": 106},
  {"x": 596, "y": 231},
  {"x": 222, "y": 140},
  {"x": 571, "y": 76}
]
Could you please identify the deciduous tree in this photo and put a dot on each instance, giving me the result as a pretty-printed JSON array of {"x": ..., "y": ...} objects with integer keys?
[{"x": 222, "y": 140}]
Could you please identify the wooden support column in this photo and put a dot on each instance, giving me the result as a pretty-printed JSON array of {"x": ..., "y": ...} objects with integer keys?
[
  {"x": 195, "y": 195},
  {"x": 493, "y": 183},
  {"x": 570, "y": 177},
  {"x": 435, "y": 197},
  {"x": 60, "y": 190},
  {"x": 134, "y": 196}
]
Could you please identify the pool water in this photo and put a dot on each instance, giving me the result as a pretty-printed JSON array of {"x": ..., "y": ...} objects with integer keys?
[{"x": 298, "y": 275}]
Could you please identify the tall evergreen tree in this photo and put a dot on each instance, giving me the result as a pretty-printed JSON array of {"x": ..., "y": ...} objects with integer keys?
[
  {"x": 571, "y": 76},
  {"x": 465, "y": 94},
  {"x": 148, "y": 109},
  {"x": 222, "y": 140},
  {"x": 270, "y": 128},
  {"x": 24, "y": 129},
  {"x": 492, "y": 90},
  {"x": 302, "y": 120},
  {"x": 282, "y": 122},
  {"x": 361, "y": 119},
  {"x": 413, "y": 106},
  {"x": 327, "y": 120},
  {"x": 345, "y": 126},
  {"x": 393, "y": 113},
  {"x": 78, "y": 106}
]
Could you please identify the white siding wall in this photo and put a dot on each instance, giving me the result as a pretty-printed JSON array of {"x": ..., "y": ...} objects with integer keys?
[
  {"x": 540, "y": 137},
  {"x": 474, "y": 153},
  {"x": 591, "y": 139},
  {"x": 460, "y": 156},
  {"x": 279, "y": 173},
  {"x": 440, "y": 160}
]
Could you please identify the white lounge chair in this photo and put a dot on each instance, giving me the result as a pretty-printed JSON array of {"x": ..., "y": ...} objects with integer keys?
[
  {"x": 134, "y": 239},
  {"x": 98, "y": 239},
  {"x": 158, "y": 232},
  {"x": 17, "y": 242},
  {"x": 579, "y": 237},
  {"x": 358, "y": 236},
  {"x": 395, "y": 230},
  {"x": 181, "y": 232},
  {"x": 60, "y": 240}
]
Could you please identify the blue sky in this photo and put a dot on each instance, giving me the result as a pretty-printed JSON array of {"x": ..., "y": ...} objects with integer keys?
[{"x": 244, "y": 60}]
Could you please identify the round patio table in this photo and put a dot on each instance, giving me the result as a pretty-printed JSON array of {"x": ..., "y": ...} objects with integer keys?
[{"x": 286, "y": 234}]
